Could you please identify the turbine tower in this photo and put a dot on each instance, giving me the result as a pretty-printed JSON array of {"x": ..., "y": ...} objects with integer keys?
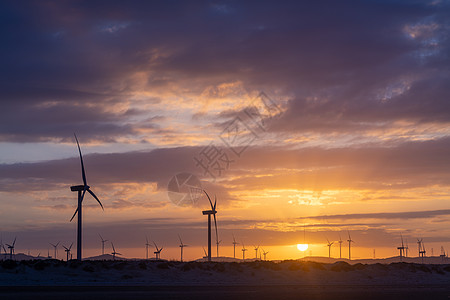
[
  {"x": 181, "y": 248},
  {"x": 11, "y": 248},
  {"x": 157, "y": 252},
  {"x": 209, "y": 213},
  {"x": 350, "y": 241},
  {"x": 114, "y": 253},
  {"x": 81, "y": 189},
  {"x": 401, "y": 249},
  {"x": 68, "y": 251},
  {"x": 340, "y": 247},
  {"x": 234, "y": 247},
  {"x": 243, "y": 251},
  {"x": 103, "y": 244},
  {"x": 256, "y": 252},
  {"x": 55, "y": 246},
  {"x": 329, "y": 248}
]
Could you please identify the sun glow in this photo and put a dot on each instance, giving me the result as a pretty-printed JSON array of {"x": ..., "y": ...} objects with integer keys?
[{"x": 302, "y": 247}]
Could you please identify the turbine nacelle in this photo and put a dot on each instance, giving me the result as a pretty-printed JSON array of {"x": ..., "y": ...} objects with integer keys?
[{"x": 79, "y": 188}]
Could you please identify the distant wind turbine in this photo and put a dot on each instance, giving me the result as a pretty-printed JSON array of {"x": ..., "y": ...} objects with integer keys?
[
  {"x": 55, "y": 246},
  {"x": 11, "y": 248},
  {"x": 350, "y": 241},
  {"x": 210, "y": 212},
  {"x": 234, "y": 247},
  {"x": 340, "y": 246},
  {"x": 158, "y": 251},
  {"x": 217, "y": 247},
  {"x": 256, "y": 251},
  {"x": 68, "y": 250},
  {"x": 181, "y": 248},
  {"x": 329, "y": 248},
  {"x": 147, "y": 244},
  {"x": 103, "y": 244},
  {"x": 264, "y": 253},
  {"x": 114, "y": 253},
  {"x": 204, "y": 251},
  {"x": 243, "y": 251},
  {"x": 81, "y": 189},
  {"x": 401, "y": 248}
]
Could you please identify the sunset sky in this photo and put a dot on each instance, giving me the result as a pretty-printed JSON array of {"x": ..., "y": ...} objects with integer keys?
[{"x": 353, "y": 131}]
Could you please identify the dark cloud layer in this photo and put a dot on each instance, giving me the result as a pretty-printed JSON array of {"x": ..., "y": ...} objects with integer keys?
[{"x": 345, "y": 65}]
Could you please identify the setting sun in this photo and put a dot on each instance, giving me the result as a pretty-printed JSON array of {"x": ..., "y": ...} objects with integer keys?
[{"x": 302, "y": 247}]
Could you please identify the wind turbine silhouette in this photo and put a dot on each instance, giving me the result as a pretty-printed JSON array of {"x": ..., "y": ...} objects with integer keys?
[
  {"x": 11, "y": 248},
  {"x": 181, "y": 248},
  {"x": 264, "y": 253},
  {"x": 217, "y": 247},
  {"x": 204, "y": 251},
  {"x": 157, "y": 252},
  {"x": 350, "y": 241},
  {"x": 55, "y": 246},
  {"x": 81, "y": 189},
  {"x": 256, "y": 251},
  {"x": 243, "y": 251},
  {"x": 234, "y": 247},
  {"x": 209, "y": 213},
  {"x": 103, "y": 244},
  {"x": 329, "y": 248},
  {"x": 401, "y": 248},
  {"x": 147, "y": 244},
  {"x": 114, "y": 253},
  {"x": 340, "y": 246},
  {"x": 68, "y": 250}
]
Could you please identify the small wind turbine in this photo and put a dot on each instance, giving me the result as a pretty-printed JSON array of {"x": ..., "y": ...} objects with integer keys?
[
  {"x": 103, "y": 244},
  {"x": 217, "y": 246},
  {"x": 340, "y": 247},
  {"x": 147, "y": 244},
  {"x": 350, "y": 241},
  {"x": 157, "y": 252},
  {"x": 68, "y": 250},
  {"x": 204, "y": 251},
  {"x": 114, "y": 253},
  {"x": 55, "y": 246},
  {"x": 329, "y": 248},
  {"x": 181, "y": 248},
  {"x": 243, "y": 251},
  {"x": 234, "y": 247},
  {"x": 11, "y": 248},
  {"x": 209, "y": 213},
  {"x": 81, "y": 189},
  {"x": 256, "y": 251},
  {"x": 264, "y": 253}
]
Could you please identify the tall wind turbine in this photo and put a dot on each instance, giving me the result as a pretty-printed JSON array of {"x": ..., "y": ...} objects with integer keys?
[
  {"x": 103, "y": 244},
  {"x": 256, "y": 251},
  {"x": 209, "y": 213},
  {"x": 265, "y": 253},
  {"x": 243, "y": 251},
  {"x": 55, "y": 246},
  {"x": 329, "y": 248},
  {"x": 158, "y": 251},
  {"x": 11, "y": 248},
  {"x": 81, "y": 189},
  {"x": 147, "y": 244},
  {"x": 181, "y": 248},
  {"x": 350, "y": 241},
  {"x": 340, "y": 246},
  {"x": 68, "y": 250},
  {"x": 114, "y": 253},
  {"x": 234, "y": 247}
]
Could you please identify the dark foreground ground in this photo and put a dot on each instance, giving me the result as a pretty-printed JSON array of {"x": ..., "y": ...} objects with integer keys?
[
  {"x": 229, "y": 292},
  {"x": 260, "y": 280}
]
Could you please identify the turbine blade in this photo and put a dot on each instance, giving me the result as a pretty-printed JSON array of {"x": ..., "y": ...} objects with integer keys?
[
  {"x": 72, "y": 217},
  {"x": 215, "y": 226},
  {"x": 215, "y": 202},
  {"x": 100, "y": 237},
  {"x": 83, "y": 174},
  {"x": 181, "y": 242},
  {"x": 93, "y": 195},
  {"x": 14, "y": 241},
  {"x": 71, "y": 246},
  {"x": 209, "y": 200},
  {"x": 114, "y": 249}
]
